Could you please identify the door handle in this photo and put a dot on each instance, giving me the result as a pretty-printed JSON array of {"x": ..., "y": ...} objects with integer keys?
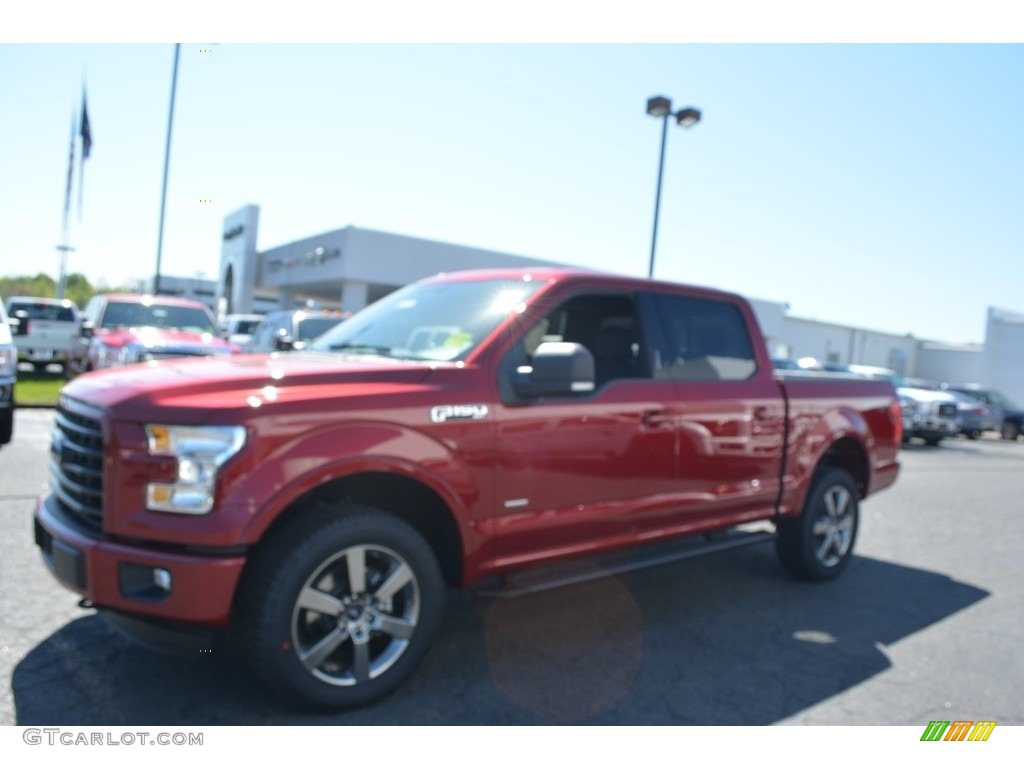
[{"x": 655, "y": 419}]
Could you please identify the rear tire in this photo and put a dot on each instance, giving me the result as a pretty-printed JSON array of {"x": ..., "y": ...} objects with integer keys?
[
  {"x": 818, "y": 545},
  {"x": 340, "y": 607},
  {"x": 7, "y": 424}
]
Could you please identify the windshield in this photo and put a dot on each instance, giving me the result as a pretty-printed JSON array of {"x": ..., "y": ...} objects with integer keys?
[
  {"x": 244, "y": 326},
  {"x": 131, "y": 315},
  {"x": 429, "y": 321},
  {"x": 312, "y": 327},
  {"x": 44, "y": 311}
]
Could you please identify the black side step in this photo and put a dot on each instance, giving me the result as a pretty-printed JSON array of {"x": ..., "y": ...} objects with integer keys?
[{"x": 577, "y": 571}]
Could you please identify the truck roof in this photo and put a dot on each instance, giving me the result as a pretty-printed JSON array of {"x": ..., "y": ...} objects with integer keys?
[{"x": 569, "y": 274}]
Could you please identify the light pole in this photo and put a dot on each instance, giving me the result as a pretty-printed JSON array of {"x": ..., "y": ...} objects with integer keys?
[
  {"x": 167, "y": 163},
  {"x": 660, "y": 106}
]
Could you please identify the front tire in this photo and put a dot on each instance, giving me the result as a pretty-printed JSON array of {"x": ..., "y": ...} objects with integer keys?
[
  {"x": 340, "y": 607},
  {"x": 1010, "y": 430},
  {"x": 818, "y": 545}
]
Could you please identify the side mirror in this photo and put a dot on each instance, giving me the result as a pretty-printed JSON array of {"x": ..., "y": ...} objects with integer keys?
[
  {"x": 557, "y": 368},
  {"x": 87, "y": 330},
  {"x": 19, "y": 323}
]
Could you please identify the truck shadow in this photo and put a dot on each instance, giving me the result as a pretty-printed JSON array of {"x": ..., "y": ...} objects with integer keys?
[{"x": 722, "y": 640}]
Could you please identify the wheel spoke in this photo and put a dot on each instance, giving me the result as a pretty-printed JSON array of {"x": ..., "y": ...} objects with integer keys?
[
  {"x": 396, "y": 627},
  {"x": 837, "y": 501},
  {"x": 314, "y": 600},
  {"x": 355, "y": 559},
  {"x": 822, "y": 527},
  {"x": 361, "y": 659},
  {"x": 825, "y": 546},
  {"x": 316, "y": 655},
  {"x": 395, "y": 582}
]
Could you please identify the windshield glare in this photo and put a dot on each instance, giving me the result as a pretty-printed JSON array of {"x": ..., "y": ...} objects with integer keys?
[
  {"x": 429, "y": 321},
  {"x": 130, "y": 315}
]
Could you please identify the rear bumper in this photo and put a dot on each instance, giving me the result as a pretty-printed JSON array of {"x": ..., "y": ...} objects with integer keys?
[
  {"x": 31, "y": 355},
  {"x": 167, "y": 584}
]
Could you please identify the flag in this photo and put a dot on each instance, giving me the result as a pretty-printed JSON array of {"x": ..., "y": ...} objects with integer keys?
[{"x": 85, "y": 131}]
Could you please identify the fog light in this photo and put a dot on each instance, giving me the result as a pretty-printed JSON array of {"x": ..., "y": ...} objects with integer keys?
[
  {"x": 148, "y": 583},
  {"x": 162, "y": 578}
]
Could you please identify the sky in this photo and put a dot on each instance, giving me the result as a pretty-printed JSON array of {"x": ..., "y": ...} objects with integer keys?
[{"x": 875, "y": 185}]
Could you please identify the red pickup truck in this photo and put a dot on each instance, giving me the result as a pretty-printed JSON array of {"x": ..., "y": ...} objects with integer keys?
[{"x": 314, "y": 506}]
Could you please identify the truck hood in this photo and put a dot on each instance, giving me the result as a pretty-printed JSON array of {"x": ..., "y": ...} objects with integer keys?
[
  {"x": 190, "y": 390},
  {"x": 163, "y": 338}
]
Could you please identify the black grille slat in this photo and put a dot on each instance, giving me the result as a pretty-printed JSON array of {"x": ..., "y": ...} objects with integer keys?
[{"x": 76, "y": 465}]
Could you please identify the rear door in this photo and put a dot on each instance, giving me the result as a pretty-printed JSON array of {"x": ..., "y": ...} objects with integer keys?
[{"x": 730, "y": 411}]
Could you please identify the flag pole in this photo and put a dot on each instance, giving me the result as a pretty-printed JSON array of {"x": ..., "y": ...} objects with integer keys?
[
  {"x": 64, "y": 227},
  {"x": 85, "y": 130},
  {"x": 167, "y": 160}
]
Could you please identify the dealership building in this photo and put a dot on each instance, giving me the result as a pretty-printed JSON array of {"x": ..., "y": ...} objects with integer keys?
[{"x": 351, "y": 267}]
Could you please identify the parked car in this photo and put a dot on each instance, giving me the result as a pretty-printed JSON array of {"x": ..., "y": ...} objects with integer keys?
[
  {"x": 976, "y": 417},
  {"x": 1010, "y": 415},
  {"x": 928, "y": 413},
  {"x": 287, "y": 329},
  {"x": 53, "y": 325},
  {"x": 318, "y": 505},
  {"x": 122, "y": 329},
  {"x": 238, "y": 329},
  {"x": 10, "y": 328}
]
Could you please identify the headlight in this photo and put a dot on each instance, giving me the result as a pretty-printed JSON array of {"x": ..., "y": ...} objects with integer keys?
[
  {"x": 908, "y": 406},
  {"x": 8, "y": 359},
  {"x": 131, "y": 353},
  {"x": 200, "y": 452}
]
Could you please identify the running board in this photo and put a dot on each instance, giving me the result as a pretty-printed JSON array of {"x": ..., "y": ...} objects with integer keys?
[{"x": 578, "y": 571}]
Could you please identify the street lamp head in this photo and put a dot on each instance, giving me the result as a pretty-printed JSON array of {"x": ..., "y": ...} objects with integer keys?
[
  {"x": 688, "y": 117},
  {"x": 658, "y": 106}
]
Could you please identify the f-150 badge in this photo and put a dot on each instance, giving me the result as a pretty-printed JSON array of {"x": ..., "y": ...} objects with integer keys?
[{"x": 442, "y": 413}]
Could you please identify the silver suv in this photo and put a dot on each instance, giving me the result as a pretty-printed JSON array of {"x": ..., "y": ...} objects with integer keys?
[{"x": 8, "y": 372}]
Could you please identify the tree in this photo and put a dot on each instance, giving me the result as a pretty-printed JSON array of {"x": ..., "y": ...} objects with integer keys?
[{"x": 78, "y": 288}]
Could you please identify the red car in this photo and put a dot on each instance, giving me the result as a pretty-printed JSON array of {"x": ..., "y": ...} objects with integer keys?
[
  {"x": 122, "y": 329},
  {"x": 317, "y": 505}
]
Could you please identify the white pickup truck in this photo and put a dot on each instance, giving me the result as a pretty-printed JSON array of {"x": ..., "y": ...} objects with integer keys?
[{"x": 52, "y": 323}]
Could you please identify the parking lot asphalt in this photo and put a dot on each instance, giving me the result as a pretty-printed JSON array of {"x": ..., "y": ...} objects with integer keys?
[{"x": 926, "y": 624}]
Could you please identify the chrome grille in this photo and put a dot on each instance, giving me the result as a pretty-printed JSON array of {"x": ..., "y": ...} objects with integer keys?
[{"x": 76, "y": 465}]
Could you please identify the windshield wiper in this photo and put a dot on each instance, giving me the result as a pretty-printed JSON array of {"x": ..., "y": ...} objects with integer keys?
[{"x": 357, "y": 347}]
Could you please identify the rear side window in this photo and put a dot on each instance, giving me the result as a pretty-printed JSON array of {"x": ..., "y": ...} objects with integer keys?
[
  {"x": 706, "y": 340},
  {"x": 44, "y": 311}
]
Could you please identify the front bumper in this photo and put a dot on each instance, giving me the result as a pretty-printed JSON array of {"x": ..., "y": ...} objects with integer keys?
[{"x": 121, "y": 576}]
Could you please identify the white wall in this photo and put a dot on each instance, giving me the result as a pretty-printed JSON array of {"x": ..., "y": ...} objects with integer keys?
[
  {"x": 1003, "y": 366},
  {"x": 829, "y": 342},
  {"x": 950, "y": 363}
]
